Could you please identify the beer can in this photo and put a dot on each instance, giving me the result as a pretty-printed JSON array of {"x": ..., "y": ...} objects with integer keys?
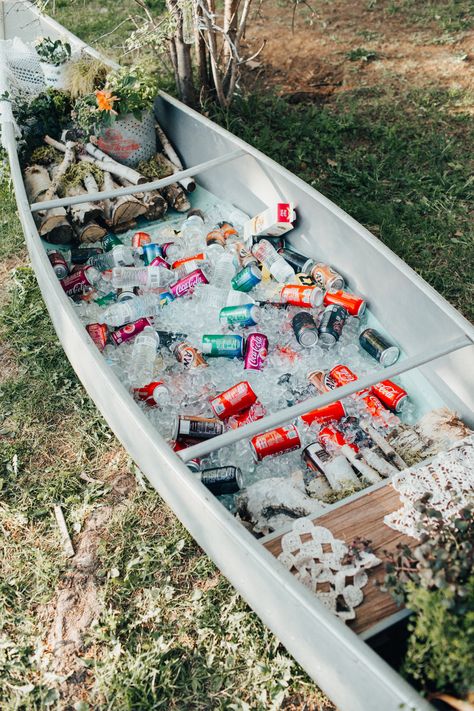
[
  {"x": 99, "y": 334},
  {"x": 58, "y": 263},
  {"x": 189, "y": 356},
  {"x": 277, "y": 441},
  {"x": 325, "y": 276},
  {"x": 331, "y": 325},
  {"x": 242, "y": 316},
  {"x": 226, "y": 346},
  {"x": 155, "y": 393},
  {"x": 110, "y": 241},
  {"x": 328, "y": 413},
  {"x": 296, "y": 260},
  {"x": 315, "y": 457},
  {"x": 256, "y": 351},
  {"x": 125, "y": 333},
  {"x": 222, "y": 480},
  {"x": 159, "y": 262},
  {"x": 237, "y": 398},
  {"x": 390, "y": 394},
  {"x": 305, "y": 329},
  {"x": 150, "y": 251},
  {"x": 338, "y": 376},
  {"x": 139, "y": 239},
  {"x": 187, "y": 284},
  {"x": 304, "y": 296},
  {"x": 247, "y": 278},
  {"x": 216, "y": 236},
  {"x": 81, "y": 256},
  {"x": 378, "y": 347},
  {"x": 304, "y": 279},
  {"x": 354, "y": 305},
  {"x": 192, "y": 428},
  {"x": 331, "y": 436}
]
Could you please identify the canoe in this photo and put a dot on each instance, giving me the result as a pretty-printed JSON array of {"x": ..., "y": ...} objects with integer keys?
[{"x": 437, "y": 343}]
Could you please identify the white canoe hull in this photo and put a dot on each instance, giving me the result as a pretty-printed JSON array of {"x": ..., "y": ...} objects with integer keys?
[{"x": 353, "y": 675}]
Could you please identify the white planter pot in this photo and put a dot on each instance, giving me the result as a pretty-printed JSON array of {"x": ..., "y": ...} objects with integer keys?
[
  {"x": 54, "y": 76},
  {"x": 130, "y": 140}
]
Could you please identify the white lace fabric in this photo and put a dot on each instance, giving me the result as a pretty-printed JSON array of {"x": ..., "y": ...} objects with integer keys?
[
  {"x": 318, "y": 564},
  {"x": 448, "y": 478}
]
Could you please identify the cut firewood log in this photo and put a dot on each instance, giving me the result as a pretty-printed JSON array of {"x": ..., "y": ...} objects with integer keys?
[
  {"x": 123, "y": 210},
  {"x": 53, "y": 225},
  {"x": 176, "y": 197},
  {"x": 188, "y": 184},
  {"x": 153, "y": 200},
  {"x": 89, "y": 232},
  {"x": 102, "y": 160}
]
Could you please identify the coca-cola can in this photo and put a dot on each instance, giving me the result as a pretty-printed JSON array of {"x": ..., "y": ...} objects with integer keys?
[
  {"x": 58, "y": 263},
  {"x": 254, "y": 413},
  {"x": 125, "y": 333},
  {"x": 328, "y": 413},
  {"x": 77, "y": 282},
  {"x": 99, "y": 334},
  {"x": 340, "y": 375},
  {"x": 193, "y": 428},
  {"x": 331, "y": 324},
  {"x": 256, "y": 351},
  {"x": 237, "y": 398},
  {"x": 392, "y": 395},
  {"x": 331, "y": 436},
  {"x": 154, "y": 393},
  {"x": 189, "y": 356},
  {"x": 277, "y": 441},
  {"x": 354, "y": 305},
  {"x": 187, "y": 284},
  {"x": 373, "y": 404}
]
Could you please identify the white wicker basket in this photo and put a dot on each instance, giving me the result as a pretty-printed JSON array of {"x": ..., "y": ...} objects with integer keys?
[{"x": 130, "y": 140}]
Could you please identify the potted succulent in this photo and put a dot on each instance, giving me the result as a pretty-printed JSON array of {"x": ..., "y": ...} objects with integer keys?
[
  {"x": 54, "y": 55},
  {"x": 120, "y": 115}
]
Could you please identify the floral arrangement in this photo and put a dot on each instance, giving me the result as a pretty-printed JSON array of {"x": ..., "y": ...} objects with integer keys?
[
  {"x": 55, "y": 52},
  {"x": 129, "y": 90}
]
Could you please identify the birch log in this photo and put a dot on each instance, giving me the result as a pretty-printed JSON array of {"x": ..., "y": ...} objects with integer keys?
[
  {"x": 53, "y": 224},
  {"x": 188, "y": 184},
  {"x": 112, "y": 166},
  {"x": 122, "y": 212},
  {"x": 68, "y": 160},
  {"x": 154, "y": 202}
]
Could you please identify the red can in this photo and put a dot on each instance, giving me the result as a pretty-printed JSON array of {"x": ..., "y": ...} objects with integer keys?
[
  {"x": 186, "y": 284},
  {"x": 304, "y": 296},
  {"x": 78, "y": 281},
  {"x": 99, "y": 334},
  {"x": 391, "y": 394},
  {"x": 254, "y": 413},
  {"x": 159, "y": 262},
  {"x": 338, "y": 376},
  {"x": 237, "y": 398},
  {"x": 256, "y": 351},
  {"x": 125, "y": 333},
  {"x": 354, "y": 305},
  {"x": 278, "y": 441},
  {"x": 334, "y": 411},
  {"x": 332, "y": 436},
  {"x": 372, "y": 403},
  {"x": 155, "y": 393},
  {"x": 141, "y": 238}
]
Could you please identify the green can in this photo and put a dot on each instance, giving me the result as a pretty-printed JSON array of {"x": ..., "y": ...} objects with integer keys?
[
  {"x": 223, "y": 346},
  {"x": 240, "y": 316},
  {"x": 110, "y": 241},
  {"x": 247, "y": 278}
]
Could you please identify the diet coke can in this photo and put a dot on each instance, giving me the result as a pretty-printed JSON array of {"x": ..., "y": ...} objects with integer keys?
[
  {"x": 354, "y": 305},
  {"x": 125, "y": 333},
  {"x": 328, "y": 413},
  {"x": 256, "y": 351},
  {"x": 189, "y": 356},
  {"x": 278, "y": 441},
  {"x": 392, "y": 395},
  {"x": 186, "y": 284},
  {"x": 237, "y": 398},
  {"x": 331, "y": 436},
  {"x": 304, "y": 296}
]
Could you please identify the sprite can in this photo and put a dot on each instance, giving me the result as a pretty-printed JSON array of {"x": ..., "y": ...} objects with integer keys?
[
  {"x": 247, "y": 278},
  {"x": 224, "y": 346},
  {"x": 240, "y": 316},
  {"x": 110, "y": 241}
]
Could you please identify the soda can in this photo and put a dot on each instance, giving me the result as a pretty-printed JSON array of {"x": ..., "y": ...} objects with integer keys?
[
  {"x": 159, "y": 262},
  {"x": 150, "y": 251},
  {"x": 277, "y": 441},
  {"x": 317, "y": 378},
  {"x": 192, "y": 428},
  {"x": 329, "y": 435},
  {"x": 106, "y": 300},
  {"x": 325, "y": 276},
  {"x": 77, "y": 282},
  {"x": 256, "y": 351},
  {"x": 315, "y": 457},
  {"x": 222, "y": 480},
  {"x": 378, "y": 347},
  {"x": 247, "y": 278},
  {"x": 193, "y": 465},
  {"x": 81, "y": 256},
  {"x": 58, "y": 263},
  {"x": 335, "y": 411},
  {"x": 187, "y": 284},
  {"x": 125, "y": 333},
  {"x": 244, "y": 256},
  {"x": 254, "y": 413},
  {"x": 189, "y": 356},
  {"x": 390, "y": 394},
  {"x": 296, "y": 260},
  {"x": 373, "y": 404},
  {"x": 304, "y": 296},
  {"x": 186, "y": 260},
  {"x": 228, "y": 230},
  {"x": 155, "y": 393},
  {"x": 232, "y": 401},
  {"x": 305, "y": 329},
  {"x": 166, "y": 297},
  {"x": 125, "y": 295},
  {"x": 331, "y": 325},
  {"x": 139, "y": 239},
  {"x": 304, "y": 279},
  {"x": 215, "y": 236},
  {"x": 226, "y": 346},
  {"x": 338, "y": 376},
  {"x": 354, "y": 305},
  {"x": 241, "y": 316},
  {"x": 165, "y": 247},
  {"x": 110, "y": 241},
  {"x": 170, "y": 338},
  {"x": 99, "y": 334}
]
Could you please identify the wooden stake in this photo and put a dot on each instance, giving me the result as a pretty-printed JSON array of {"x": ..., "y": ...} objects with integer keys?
[{"x": 65, "y": 537}]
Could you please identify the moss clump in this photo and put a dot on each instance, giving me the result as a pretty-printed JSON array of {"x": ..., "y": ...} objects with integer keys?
[
  {"x": 75, "y": 174},
  {"x": 46, "y": 155},
  {"x": 155, "y": 168}
]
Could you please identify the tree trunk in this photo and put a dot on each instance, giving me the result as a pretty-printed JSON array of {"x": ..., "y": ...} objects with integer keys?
[
  {"x": 181, "y": 56},
  {"x": 230, "y": 26}
]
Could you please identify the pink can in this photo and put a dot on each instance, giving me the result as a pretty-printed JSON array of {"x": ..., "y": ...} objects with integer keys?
[
  {"x": 125, "y": 333},
  {"x": 78, "y": 282},
  {"x": 186, "y": 284},
  {"x": 256, "y": 351},
  {"x": 159, "y": 262}
]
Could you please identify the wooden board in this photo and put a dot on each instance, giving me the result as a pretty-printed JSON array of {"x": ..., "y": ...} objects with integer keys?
[{"x": 364, "y": 518}]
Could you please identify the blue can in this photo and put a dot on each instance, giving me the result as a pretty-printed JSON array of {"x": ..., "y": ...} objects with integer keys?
[
  {"x": 150, "y": 251},
  {"x": 240, "y": 316},
  {"x": 247, "y": 278},
  {"x": 226, "y": 346},
  {"x": 166, "y": 297}
]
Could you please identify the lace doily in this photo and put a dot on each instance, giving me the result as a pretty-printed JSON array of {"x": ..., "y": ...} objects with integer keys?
[
  {"x": 316, "y": 559},
  {"x": 449, "y": 478}
]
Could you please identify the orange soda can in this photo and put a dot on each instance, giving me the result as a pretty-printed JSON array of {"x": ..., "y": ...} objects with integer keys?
[
  {"x": 354, "y": 305},
  {"x": 141, "y": 238}
]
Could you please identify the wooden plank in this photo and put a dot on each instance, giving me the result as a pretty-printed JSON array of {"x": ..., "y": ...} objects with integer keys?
[{"x": 364, "y": 518}]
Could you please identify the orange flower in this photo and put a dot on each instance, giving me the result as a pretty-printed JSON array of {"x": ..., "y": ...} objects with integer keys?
[{"x": 105, "y": 101}]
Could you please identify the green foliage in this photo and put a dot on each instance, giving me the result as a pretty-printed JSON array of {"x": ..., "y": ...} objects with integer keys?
[
  {"x": 48, "y": 113},
  {"x": 135, "y": 89},
  {"x": 361, "y": 54},
  {"x": 85, "y": 75},
  {"x": 54, "y": 52}
]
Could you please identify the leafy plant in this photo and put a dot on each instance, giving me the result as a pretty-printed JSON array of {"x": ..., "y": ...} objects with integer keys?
[
  {"x": 54, "y": 52},
  {"x": 48, "y": 113},
  {"x": 365, "y": 55},
  {"x": 86, "y": 75}
]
